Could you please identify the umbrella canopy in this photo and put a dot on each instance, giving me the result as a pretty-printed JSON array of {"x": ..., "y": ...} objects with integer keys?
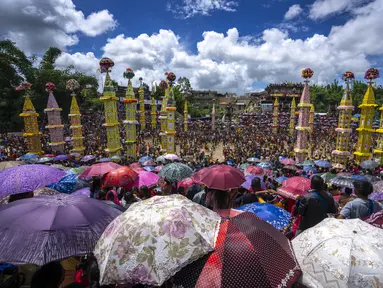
[
  {"x": 146, "y": 178},
  {"x": 175, "y": 172},
  {"x": 69, "y": 184},
  {"x": 154, "y": 238},
  {"x": 288, "y": 161},
  {"x": 291, "y": 167},
  {"x": 46, "y": 228},
  {"x": 99, "y": 169},
  {"x": 78, "y": 170},
  {"x": 10, "y": 164},
  {"x": 83, "y": 191},
  {"x": 149, "y": 168},
  {"x": 369, "y": 164},
  {"x": 281, "y": 179},
  {"x": 45, "y": 160},
  {"x": 145, "y": 158},
  {"x": 27, "y": 178},
  {"x": 272, "y": 214},
  {"x": 249, "y": 179},
  {"x": 340, "y": 253},
  {"x": 253, "y": 160},
  {"x": 157, "y": 169},
  {"x": 378, "y": 186},
  {"x": 75, "y": 155},
  {"x": 294, "y": 186},
  {"x": 115, "y": 158},
  {"x": 49, "y": 156},
  {"x": 265, "y": 165},
  {"x": 171, "y": 157},
  {"x": 104, "y": 160},
  {"x": 149, "y": 163},
  {"x": 186, "y": 183},
  {"x": 327, "y": 176},
  {"x": 310, "y": 169},
  {"x": 161, "y": 159},
  {"x": 222, "y": 177},
  {"x": 372, "y": 179},
  {"x": 37, "y": 192},
  {"x": 61, "y": 158},
  {"x": 254, "y": 170},
  {"x": 135, "y": 165},
  {"x": 249, "y": 253},
  {"x": 198, "y": 174},
  {"x": 307, "y": 163},
  {"x": 119, "y": 177},
  {"x": 244, "y": 166},
  {"x": 342, "y": 181},
  {"x": 29, "y": 156},
  {"x": 359, "y": 178},
  {"x": 88, "y": 158},
  {"x": 323, "y": 163},
  {"x": 376, "y": 219}
]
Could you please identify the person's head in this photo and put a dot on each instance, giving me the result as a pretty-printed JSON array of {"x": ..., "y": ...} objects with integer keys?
[
  {"x": 363, "y": 189},
  {"x": 181, "y": 190},
  {"x": 144, "y": 192},
  {"x": 129, "y": 198},
  {"x": 101, "y": 195},
  {"x": 256, "y": 184},
  {"x": 20, "y": 196},
  {"x": 220, "y": 200},
  {"x": 348, "y": 191},
  {"x": 317, "y": 183},
  {"x": 110, "y": 196},
  {"x": 50, "y": 275}
]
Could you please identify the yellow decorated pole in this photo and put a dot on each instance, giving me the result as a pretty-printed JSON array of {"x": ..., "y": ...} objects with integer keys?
[
  {"x": 163, "y": 114},
  {"x": 213, "y": 116},
  {"x": 363, "y": 147},
  {"x": 110, "y": 110},
  {"x": 141, "y": 94},
  {"x": 379, "y": 149},
  {"x": 293, "y": 108},
  {"x": 55, "y": 127},
  {"x": 153, "y": 112},
  {"x": 311, "y": 118},
  {"x": 31, "y": 127},
  {"x": 186, "y": 114},
  {"x": 75, "y": 119},
  {"x": 275, "y": 116},
  {"x": 130, "y": 122},
  {"x": 303, "y": 128},
  {"x": 341, "y": 152},
  {"x": 171, "y": 111}
]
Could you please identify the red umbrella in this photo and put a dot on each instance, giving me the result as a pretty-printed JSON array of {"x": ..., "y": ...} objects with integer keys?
[
  {"x": 99, "y": 169},
  {"x": 186, "y": 183},
  {"x": 119, "y": 177},
  {"x": 197, "y": 176},
  {"x": 248, "y": 253},
  {"x": 295, "y": 186},
  {"x": 376, "y": 219},
  {"x": 255, "y": 170},
  {"x": 288, "y": 161},
  {"x": 49, "y": 156},
  {"x": 222, "y": 177}
]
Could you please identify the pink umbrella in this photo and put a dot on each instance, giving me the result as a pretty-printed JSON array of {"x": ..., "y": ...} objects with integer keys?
[
  {"x": 295, "y": 186},
  {"x": 171, "y": 157},
  {"x": 146, "y": 178},
  {"x": 186, "y": 183},
  {"x": 158, "y": 168},
  {"x": 197, "y": 176},
  {"x": 99, "y": 169},
  {"x": 222, "y": 177},
  {"x": 288, "y": 161},
  {"x": 255, "y": 170},
  {"x": 135, "y": 165}
]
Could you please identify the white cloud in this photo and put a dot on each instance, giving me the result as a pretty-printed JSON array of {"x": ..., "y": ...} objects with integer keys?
[
  {"x": 190, "y": 8},
  {"x": 323, "y": 8},
  {"x": 229, "y": 63},
  {"x": 293, "y": 12},
  {"x": 37, "y": 24}
]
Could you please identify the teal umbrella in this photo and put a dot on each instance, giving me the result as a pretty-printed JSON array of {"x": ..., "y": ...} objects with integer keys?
[{"x": 175, "y": 172}]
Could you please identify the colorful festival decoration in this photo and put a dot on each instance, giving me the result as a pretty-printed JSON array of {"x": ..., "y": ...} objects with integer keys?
[
  {"x": 110, "y": 110},
  {"x": 341, "y": 152},
  {"x": 293, "y": 108},
  {"x": 141, "y": 94},
  {"x": 131, "y": 111},
  {"x": 379, "y": 149},
  {"x": 303, "y": 128},
  {"x": 163, "y": 113},
  {"x": 363, "y": 147},
  {"x": 171, "y": 111},
  {"x": 275, "y": 116},
  {"x": 213, "y": 116},
  {"x": 311, "y": 118},
  {"x": 186, "y": 115},
  {"x": 31, "y": 126},
  {"x": 153, "y": 112},
  {"x": 75, "y": 118},
  {"x": 56, "y": 128}
]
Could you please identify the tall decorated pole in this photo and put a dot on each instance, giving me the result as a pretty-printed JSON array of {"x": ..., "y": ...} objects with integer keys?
[
  {"x": 31, "y": 127},
  {"x": 153, "y": 112},
  {"x": 56, "y": 128},
  {"x": 303, "y": 128},
  {"x": 110, "y": 110},
  {"x": 367, "y": 109},
  {"x": 141, "y": 94},
  {"x": 275, "y": 116},
  {"x": 163, "y": 114},
  {"x": 341, "y": 152},
  {"x": 293, "y": 108},
  {"x": 379, "y": 149},
  {"x": 171, "y": 115},
  {"x": 311, "y": 118},
  {"x": 75, "y": 118},
  {"x": 131, "y": 112},
  {"x": 186, "y": 115},
  {"x": 213, "y": 116}
]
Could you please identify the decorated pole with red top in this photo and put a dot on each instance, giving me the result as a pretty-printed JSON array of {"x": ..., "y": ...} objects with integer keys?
[
  {"x": 75, "y": 118},
  {"x": 303, "y": 128},
  {"x": 54, "y": 121},
  {"x": 163, "y": 113},
  {"x": 171, "y": 115}
]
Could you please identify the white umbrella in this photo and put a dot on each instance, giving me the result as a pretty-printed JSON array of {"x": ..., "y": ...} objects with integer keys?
[{"x": 341, "y": 254}]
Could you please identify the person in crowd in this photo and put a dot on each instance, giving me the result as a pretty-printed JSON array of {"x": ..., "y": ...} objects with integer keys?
[
  {"x": 50, "y": 275},
  {"x": 345, "y": 197},
  {"x": 144, "y": 193},
  {"x": 112, "y": 196}
]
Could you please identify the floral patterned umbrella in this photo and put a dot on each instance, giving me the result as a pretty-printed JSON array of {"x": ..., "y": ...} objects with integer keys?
[
  {"x": 153, "y": 239},
  {"x": 340, "y": 253},
  {"x": 376, "y": 219},
  {"x": 294, "y": 186},
  {"x": 369, "y": 164},
  {"x": 343, "y": 181}
]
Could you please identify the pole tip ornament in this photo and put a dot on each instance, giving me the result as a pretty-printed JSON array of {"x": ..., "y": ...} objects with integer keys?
[
  {"x": 24, "y": 86},
  {"x": 50, "y": 86},
  {"x": 72, "y": 85},
  {"x": 371, "y": 74},
  {"x": 307, "y": 73},
  {"x": 128, "y": 74},
  {"x": 348, "y": 76},
  {"x": 106, "y": 64},
  {"x": 163, "y": 85}
]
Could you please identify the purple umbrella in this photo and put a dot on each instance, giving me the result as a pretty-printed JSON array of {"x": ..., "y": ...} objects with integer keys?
[
  {"x": 249, "y": 178},
  {"x": 83, "y": 191},
  {"x": 46, "y": 228},
  {"x": 61, "y": 158},
  {"x": 87, "y": 158},
  {"x": 103, "y": 160},
  {"x": 27, "y": 178},
  {"x": 75, "y": 154}
]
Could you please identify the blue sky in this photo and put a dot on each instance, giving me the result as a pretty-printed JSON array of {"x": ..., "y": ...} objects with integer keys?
[{"x": 224, "y": 45}]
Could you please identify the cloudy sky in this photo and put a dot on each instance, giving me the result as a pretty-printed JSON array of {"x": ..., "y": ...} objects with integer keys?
[{"x": 224, "y": 45}]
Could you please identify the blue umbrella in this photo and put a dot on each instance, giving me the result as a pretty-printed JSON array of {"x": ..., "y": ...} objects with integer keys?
[
  {"x": 29, "y": 156},
  {"x": 369, "y": 164},
  {"x": 69, "y": 183},
  {"x": 149, "y": 168},
  {"x": 323, "y": 163},
  {"x": 249, "y": 178},
  {"x": 61, "y": 158},
  {"x": 103, "y": 160},
  {"x": 160, "y": 159},
  {"x": 359, "y": 178},
  {"x": 281, "y": 179},
  {"x": 269, "y": 213},
  {"x": 145, "y": 158},
  {"x": 265, "y": 165},
  {"x": 310, "y": 169},
  {"x": 356, "y": 116},
  {"x": 253, "y": 159}
]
